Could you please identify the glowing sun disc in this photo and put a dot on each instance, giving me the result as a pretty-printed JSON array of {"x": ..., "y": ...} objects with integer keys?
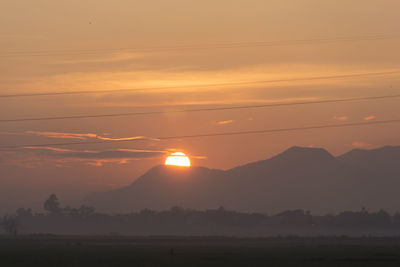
[{"x": 178, "y": 159}]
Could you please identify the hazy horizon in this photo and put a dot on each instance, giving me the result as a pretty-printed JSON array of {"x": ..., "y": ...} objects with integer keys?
[
  {"x": 185, "y": 56},
  {"x": 35, "y": 201}
]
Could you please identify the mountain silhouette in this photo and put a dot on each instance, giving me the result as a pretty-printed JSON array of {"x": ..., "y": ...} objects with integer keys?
[
  {"x": 299, "y": 178},
  {"x": 166, "y": 186},
  {"x": 381, "y": 168}
]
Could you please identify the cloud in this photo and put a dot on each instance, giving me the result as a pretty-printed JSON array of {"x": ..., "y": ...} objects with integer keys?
[
  {"x": 99, "y": 154},
  {"x": 36, "y": 156},
  {"x": 57, "y": 135},
  {"x": 225, "y": 122},
  {"x": 11, "y": 133},
  {"x": 359, "y": 144},
  {"x": 49, "y": 148},
  {"x": 127, "y": 138},
  {"x": 33, "y": 157},
  {"x": 370, "y": 118},
  {"x": 125, "y": 154},
  {"x": 86, "y": 136},
  {"x": 340, "y": 118},
  {"x": 193, "y": 99},
  {"x": 112, "y": 57}
]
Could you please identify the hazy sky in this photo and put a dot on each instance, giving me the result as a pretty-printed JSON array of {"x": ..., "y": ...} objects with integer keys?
[{"x": 51, "y": 46}]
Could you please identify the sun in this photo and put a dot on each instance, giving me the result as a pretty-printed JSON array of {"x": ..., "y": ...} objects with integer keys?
[{"x": 178, "y": 159}]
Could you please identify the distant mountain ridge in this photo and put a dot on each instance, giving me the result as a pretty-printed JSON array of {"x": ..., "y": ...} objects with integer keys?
[{"x": 299, "y": 178}]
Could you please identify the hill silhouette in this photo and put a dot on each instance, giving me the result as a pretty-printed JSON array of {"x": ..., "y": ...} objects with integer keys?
[
  {"x": 299, "y": 178},
  {"x": 166, "y": 186}
]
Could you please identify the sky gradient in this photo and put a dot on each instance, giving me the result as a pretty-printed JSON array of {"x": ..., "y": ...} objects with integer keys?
[{"x": 62, "y": 46}]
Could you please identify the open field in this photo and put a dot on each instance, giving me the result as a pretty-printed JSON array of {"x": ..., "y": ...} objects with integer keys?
[{"x": 197, "y": 251}]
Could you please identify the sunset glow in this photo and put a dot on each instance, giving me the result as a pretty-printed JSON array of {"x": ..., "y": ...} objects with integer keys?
[
  {"x": 177, "y": 108},
  {"x": 178, "y": 159}
]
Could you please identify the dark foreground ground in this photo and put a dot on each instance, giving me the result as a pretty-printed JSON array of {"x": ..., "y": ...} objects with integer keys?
[{"x": 130, "y": 251}]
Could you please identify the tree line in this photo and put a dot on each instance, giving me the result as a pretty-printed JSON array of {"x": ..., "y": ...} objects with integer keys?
[{"x": 180, "y": 221}]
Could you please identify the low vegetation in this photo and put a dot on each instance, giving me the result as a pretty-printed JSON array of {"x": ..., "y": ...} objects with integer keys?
[{"x": 186, "y": 222}]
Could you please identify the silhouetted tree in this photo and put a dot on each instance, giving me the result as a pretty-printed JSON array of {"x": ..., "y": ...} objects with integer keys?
[
  {"x": 10, "y": 225},
  {"x": 178, "y": 220},
  {"x": 147, "y": 212},
  {"x": 177, "y": 210},
  {"x": 24, "y": 213},
  {"x": 52, "y": 205},
  {"x": 85, "y": 210}
]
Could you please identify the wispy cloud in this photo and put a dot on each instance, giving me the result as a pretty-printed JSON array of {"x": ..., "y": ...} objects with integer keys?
[
  {"x": 112, "y": 57},
  {"x": 340, "y": 118},
  {"x": 13, "y": 133},
  {"x": 370, "y": 118},
  {"x": 127, "y": 138},
  {"x": 113, "y": 154},
  {"x": 49, "y": 149},
  {"x": 225, "y": 122},
  {"x": 194, "y": 99},
  {"x": 61, "y": 157},
  {"x": 36, "y": 156},
  {"x": 57, "y": 135},
  {"x": 85, "y": 136}
]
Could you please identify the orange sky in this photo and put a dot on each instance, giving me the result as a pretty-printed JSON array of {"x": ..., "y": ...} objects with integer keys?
[{"x": 49, "y": 46}]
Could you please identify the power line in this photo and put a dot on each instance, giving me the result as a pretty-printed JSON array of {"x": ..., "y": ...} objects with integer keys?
[
  {"x": 199, "y": 47},
  {"x": 314, "y": 127},
  {"x": 38, "y": 94},
  {"x": 340, "y": 100}
]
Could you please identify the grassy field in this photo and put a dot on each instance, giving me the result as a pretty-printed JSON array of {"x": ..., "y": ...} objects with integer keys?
[{"x": 152, "y": 251}]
